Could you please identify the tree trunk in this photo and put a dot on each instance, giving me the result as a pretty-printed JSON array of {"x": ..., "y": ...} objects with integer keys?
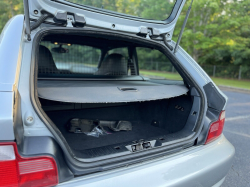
[
  {"x": 11, "y": 8},
  {"x": 195, "y": 54}
]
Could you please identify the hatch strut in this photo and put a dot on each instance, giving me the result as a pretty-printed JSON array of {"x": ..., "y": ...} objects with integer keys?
[
  {"x": 27, "y": 18},
  {"x": 183, "y": 27}
]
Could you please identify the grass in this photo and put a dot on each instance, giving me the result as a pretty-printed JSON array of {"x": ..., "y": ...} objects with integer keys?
[
  {"x": 232, "y": 82},
  {"x": 172, "y": 76},
  {"x": 219, "y": 81}
]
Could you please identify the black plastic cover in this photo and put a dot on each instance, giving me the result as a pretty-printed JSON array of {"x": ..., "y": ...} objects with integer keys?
[
  {"x": 214, "y": 99},
  {"x": 79, "y": 21},
  {"x": 143, "y": 31},
  {"x": 61, "y": 17}
]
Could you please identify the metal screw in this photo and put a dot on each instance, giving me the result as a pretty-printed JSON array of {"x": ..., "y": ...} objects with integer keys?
[
  {"x": 30, "y": 119},
  {"x": 35, "y": 11}
]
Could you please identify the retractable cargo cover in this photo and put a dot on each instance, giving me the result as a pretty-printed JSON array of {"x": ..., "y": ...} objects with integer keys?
[{"x": 106, "y": 91}]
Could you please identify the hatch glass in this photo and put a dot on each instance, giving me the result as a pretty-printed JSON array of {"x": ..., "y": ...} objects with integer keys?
[{"x": 147, "y": 9}]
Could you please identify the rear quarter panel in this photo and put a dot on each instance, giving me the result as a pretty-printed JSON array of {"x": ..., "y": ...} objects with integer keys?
[{"x": 10, "y": 60}]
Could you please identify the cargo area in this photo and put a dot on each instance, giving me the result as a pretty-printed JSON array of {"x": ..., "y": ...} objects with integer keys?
[
  {"x": 94, "y": 92},
  {"x": 160, "y": 120}
]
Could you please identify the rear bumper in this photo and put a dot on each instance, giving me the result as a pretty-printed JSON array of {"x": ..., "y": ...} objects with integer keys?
[{"x": 198, "y": 166}]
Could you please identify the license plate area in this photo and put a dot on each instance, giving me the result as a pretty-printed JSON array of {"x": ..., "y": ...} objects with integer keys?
[{"x": 141, "y": 146}]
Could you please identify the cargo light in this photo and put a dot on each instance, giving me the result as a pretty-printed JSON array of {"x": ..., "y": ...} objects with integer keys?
[
  {"x": 21, "y": 172},
  {"x": 216, "y": 128}
]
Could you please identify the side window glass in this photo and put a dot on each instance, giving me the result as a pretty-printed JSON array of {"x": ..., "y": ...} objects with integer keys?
[
  {"x": 154, "y": 64},
  {"x": 123, "y": 51}
]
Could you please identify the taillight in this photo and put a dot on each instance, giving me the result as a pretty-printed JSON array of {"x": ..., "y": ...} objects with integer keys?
[
  {"x": 18, "y": 171},
  {"x": 216, "y": 128}
]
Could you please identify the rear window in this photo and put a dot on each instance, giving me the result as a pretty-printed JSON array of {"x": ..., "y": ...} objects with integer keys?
[
  {"x": 68, "y": 58},
  {"x": 147, "y": 9},
  {"x": 88, "y": 57}
]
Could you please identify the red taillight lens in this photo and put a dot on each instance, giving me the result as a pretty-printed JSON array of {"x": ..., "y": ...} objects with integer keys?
[
  {"x": 18, "y": 171},
  {"x": 216, "y": 128}
]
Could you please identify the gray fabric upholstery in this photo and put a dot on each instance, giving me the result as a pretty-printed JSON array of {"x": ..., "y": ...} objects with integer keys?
[
  {"x": 114, "y": 64},
  {"x": 106, "y": 91},
  {"x": 46, "y": 62}
]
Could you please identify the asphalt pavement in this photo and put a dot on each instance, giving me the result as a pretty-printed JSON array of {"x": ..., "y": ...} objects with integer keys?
[{"x": 237, "y": 131}]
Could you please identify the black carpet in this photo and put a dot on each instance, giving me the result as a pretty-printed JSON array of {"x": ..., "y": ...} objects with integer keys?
[
  {"x": 168, "y": 120},
  {"x": 81, "y": 141}
]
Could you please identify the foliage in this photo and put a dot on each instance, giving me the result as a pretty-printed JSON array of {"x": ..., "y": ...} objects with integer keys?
[
  {"x": 149, "y": 9},
  {"x": 8, "y": 9},
  {"x": 217, "y": 32}
]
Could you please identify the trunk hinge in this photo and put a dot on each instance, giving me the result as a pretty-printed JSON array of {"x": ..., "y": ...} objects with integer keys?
[
  {"x": 150, "y": 33},
  {"x": 183, "y": 27},
  {"x": 70, "y": 19},
  {"x": 154, "y": 34}
]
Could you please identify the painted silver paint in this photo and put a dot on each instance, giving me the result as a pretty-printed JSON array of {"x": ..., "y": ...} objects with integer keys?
[
  {"x": 10, "y": 52},
  {"x": 38, "y": 128},
  {"x": 6, "y": 87},
  {"x": 10, "y": 41},
  {"x": 6, "y": 116},
  {"x": 188, "y": 62},
  {"x": 189, "y": 168}
]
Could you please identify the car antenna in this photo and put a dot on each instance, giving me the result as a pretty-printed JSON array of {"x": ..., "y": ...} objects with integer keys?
[
  {"x": 27, "y": 18},
  {"x": 183, "y": 27}
]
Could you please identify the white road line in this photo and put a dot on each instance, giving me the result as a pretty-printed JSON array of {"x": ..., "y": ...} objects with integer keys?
[
  {"x": 237, "y": 118},
  {"x": 239, "y": 104},
  {"x": 238, "y": 133}
]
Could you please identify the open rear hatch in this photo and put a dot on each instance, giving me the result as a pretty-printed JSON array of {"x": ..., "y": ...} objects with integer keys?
[{"x": 137, "y": 17}]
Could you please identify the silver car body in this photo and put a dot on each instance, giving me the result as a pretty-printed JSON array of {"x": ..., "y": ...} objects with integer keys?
[
  {"x": 205, "y": 165},
  {"x": 196, "y": 167}
]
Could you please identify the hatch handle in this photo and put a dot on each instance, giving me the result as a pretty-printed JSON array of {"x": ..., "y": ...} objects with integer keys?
[{"x": 126, "y": 89}]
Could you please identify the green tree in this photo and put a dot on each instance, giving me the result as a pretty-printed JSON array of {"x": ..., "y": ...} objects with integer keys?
[
  {"x": 8, "y": 9},
  {"x": 217, "y": 32}
]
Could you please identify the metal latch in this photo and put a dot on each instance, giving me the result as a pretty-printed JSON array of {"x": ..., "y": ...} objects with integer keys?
[
  {"x": 154, "y": 34},
  {"x": 141, "y": 145},
  {"x": 70, "y": 21}
]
